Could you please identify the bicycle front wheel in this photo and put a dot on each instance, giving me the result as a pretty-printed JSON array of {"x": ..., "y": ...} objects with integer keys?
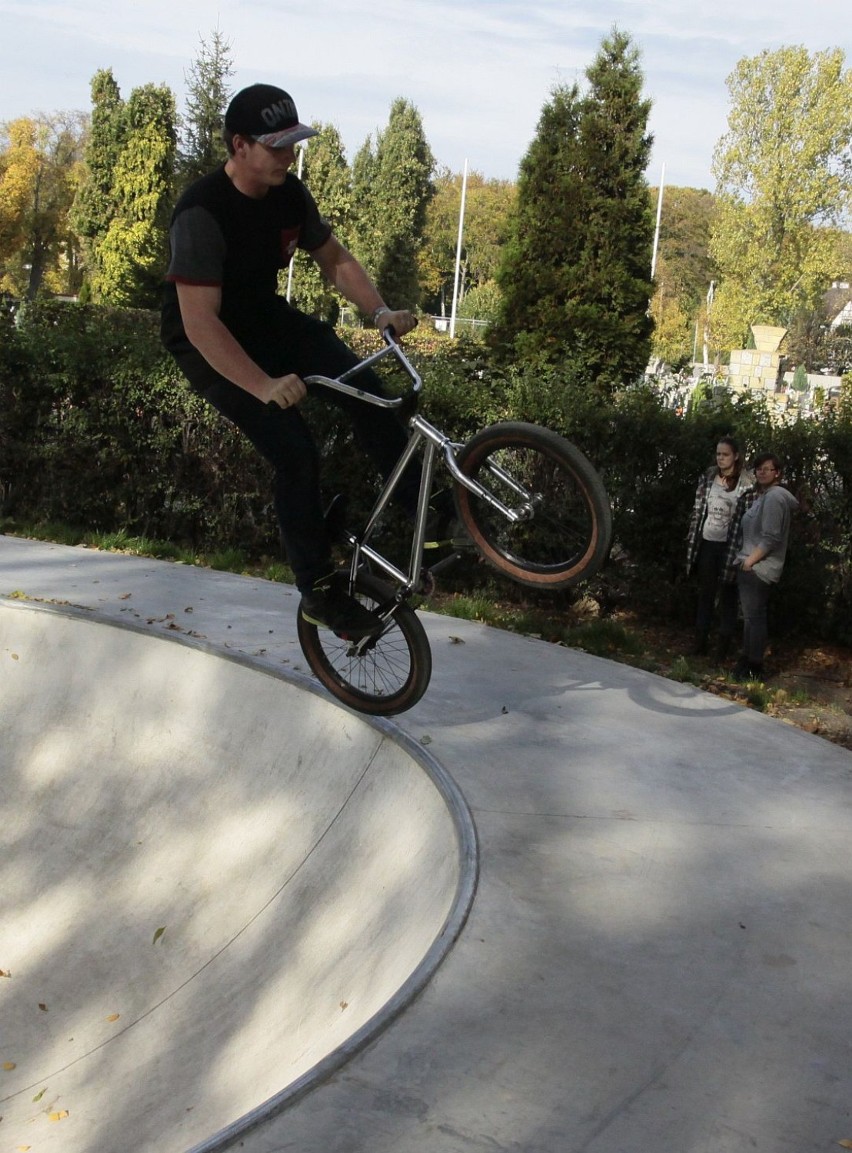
[
  {"x": 382, "y": 675},
  {"x": 565, "y": 529}
]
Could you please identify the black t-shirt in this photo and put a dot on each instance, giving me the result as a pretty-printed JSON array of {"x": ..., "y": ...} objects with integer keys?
[{"x": 221, "y": 237}]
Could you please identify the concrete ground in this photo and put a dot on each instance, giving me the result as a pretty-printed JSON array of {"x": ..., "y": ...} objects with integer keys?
[{"x": 656, "y": 959}]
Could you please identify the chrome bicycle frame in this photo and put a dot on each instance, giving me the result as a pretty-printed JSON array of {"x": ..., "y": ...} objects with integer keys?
[{"x": 435, "y": 442}]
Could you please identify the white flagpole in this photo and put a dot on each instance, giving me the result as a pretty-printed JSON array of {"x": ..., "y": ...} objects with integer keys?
[
  {"x": 458, "y": 254},
  {"x": 659, "y": 214},
  {"x": 292, "y": 258},
  {"x": 711, "y": 295}
]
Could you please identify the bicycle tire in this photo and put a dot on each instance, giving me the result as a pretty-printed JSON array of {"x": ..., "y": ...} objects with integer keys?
[
  {"x": 383, "y": 676},
  {"x": 567, "y": 537}
]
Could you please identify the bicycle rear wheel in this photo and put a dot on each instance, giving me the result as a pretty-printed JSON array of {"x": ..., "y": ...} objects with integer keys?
[
  {"x": 382, "y": 675},
  {"x": 566, "y": 527}
]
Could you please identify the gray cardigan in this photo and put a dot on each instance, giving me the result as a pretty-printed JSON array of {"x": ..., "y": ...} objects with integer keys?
[{"x": 766, "y": 525}]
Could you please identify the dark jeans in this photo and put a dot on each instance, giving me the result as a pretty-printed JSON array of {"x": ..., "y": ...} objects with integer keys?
[
  {"x": 754, "y": 598},
  {"x": 303, "y": 346},
  {"x": 708, "y": 567}
]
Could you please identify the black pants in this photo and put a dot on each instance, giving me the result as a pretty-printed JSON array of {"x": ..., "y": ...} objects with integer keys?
[
  {"x": 304, "y": 346},
  {"x": 708, "y": 567}
]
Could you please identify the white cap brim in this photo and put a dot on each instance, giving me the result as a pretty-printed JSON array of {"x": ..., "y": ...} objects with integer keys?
[{"x": 287, "y": 136}]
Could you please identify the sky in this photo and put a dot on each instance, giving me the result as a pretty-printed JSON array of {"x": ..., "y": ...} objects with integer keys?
[{"x": 478, "y": 71}]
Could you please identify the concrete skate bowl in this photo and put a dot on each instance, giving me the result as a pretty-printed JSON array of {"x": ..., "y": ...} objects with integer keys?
[{"x": 215, "y": 887}]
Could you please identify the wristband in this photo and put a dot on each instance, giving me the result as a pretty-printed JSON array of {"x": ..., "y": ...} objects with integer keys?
[{"x": 380, "y": 311}]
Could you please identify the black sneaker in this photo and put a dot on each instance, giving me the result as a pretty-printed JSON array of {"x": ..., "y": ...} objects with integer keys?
[{"x": 329, "y": 606}]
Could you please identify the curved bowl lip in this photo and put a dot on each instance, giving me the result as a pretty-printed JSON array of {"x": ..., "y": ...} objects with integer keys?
[{"x": 467, "y": 844}]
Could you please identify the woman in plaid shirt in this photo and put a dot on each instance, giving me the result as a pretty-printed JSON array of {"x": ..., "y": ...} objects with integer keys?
[{"x": 710, "y": 531}]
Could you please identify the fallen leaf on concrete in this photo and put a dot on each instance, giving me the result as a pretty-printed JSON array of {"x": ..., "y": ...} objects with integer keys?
[
  {"x": 59, "y": 1116},
  {"x": 158, "y": 934}
]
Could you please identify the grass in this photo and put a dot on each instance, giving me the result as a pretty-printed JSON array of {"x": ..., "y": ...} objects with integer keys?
[
  {"x": 603, "y": 637},
  {"x": 758, "y": 696},
  {"x": 681, "y": 670}
]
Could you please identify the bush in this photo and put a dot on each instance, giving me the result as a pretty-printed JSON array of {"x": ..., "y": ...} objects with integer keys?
[{"x": 97, "y": 429}]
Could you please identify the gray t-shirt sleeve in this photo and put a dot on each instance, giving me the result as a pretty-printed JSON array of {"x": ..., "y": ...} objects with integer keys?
[{"x": 197, "y": 248}]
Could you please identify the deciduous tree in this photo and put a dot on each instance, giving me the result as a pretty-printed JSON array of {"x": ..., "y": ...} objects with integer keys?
[
  {"x": 684, "y": 271},
  {"x": 40, "y": 160},
  {"x": 784, "y": 178},
  {"x": 673, "y": 339},
  {"x": 488, "y": 205}
]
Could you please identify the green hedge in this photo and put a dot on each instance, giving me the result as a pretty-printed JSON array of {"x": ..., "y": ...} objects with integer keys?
[{"x": 98, "y": 430}]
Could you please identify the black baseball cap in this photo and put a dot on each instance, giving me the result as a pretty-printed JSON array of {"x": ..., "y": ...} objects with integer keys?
[{"x": 266, "y": 114}]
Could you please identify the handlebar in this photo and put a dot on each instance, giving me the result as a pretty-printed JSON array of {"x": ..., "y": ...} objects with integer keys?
[{"x": 392, "y": 348}]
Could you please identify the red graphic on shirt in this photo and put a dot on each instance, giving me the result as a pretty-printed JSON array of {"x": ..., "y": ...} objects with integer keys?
[{"x": 289, "y": 242}]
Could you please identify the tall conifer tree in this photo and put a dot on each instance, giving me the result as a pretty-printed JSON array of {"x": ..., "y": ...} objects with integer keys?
[
  {"x": 617, "y": 250},
  {"x": 545, "y": 241},
  {"x": 207, "y": 94},
  {"x": 575, "y": 276},
  {"x": 94, "y": 206},
  {"x": 392, "y": 186},
  {"x": 134, "y": 252},
  {"x": 327, "y": 175}
]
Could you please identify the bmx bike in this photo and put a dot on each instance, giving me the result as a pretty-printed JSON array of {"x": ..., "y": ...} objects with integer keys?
[{"x": 527, "y": 501}]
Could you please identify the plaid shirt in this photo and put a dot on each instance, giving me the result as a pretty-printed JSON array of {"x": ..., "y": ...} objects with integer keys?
[{"x": 699, "y": 515}]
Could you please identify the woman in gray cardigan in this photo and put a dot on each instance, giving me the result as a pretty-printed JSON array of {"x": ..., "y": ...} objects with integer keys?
[{"x": 765, "y": 528}]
